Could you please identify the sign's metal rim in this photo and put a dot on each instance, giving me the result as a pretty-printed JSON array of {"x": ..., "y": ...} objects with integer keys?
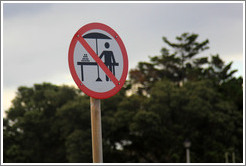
[{"x": 78, "y": 38}]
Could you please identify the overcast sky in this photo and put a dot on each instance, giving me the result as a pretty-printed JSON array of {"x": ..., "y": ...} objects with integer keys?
[{"x": 36, "y": 36}]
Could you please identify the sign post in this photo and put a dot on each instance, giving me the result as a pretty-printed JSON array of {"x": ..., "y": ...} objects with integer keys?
[
  {"x": 96, "y": 130},
  {"x": 98, "y": 63}
]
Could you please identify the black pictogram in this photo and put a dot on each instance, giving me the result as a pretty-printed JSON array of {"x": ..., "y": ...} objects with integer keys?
[
  {"x": 85, "y": 58},
  {"x": 109, "y": 59}
]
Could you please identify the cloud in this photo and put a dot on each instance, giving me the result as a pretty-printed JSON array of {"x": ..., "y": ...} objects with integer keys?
[{"x": 24, "y": 9}]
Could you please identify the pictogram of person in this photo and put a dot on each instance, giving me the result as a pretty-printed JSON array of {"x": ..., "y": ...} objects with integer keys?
[{"x": 109, "y": 59}]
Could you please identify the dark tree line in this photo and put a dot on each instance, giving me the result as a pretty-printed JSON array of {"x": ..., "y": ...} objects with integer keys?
[{"x": 177, "y": 95}]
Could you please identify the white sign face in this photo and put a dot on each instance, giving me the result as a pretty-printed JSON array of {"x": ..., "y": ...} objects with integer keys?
[
  {"x": 94, "y": 78},
  {"x": 98, "y": 60}
]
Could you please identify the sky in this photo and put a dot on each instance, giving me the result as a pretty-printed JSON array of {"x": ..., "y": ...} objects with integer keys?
[{"x": 35, "y": 37}]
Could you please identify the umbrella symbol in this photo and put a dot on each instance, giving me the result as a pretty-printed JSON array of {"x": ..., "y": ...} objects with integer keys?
[{"x": 96, "y": 35}]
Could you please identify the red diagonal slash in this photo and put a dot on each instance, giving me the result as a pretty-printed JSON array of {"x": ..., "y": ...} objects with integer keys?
[{"x": 97, "y": 59}]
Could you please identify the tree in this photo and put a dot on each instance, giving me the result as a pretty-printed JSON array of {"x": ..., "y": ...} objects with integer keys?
[
  {"x": 42, "y": 122},
  {"x": 207, "y": 105},
  {"x": 196, "y": 111},
  {"x": 175, "y": 65},
  {"x": 180, "y": 62}
]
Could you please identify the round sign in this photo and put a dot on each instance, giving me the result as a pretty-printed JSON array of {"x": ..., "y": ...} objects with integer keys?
[{"x": 98, "y": 60}]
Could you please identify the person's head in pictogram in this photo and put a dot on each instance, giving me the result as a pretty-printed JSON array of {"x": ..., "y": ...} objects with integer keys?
[{"x": 106, "y": 45}]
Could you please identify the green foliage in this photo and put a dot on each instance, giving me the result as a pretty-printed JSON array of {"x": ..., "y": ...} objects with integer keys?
[
  {"x": 179, "y": 95},
  {"x": 180, "y": 62},
  {"x": 78, "y": 147},
  {"x": 40, "y": 122}
]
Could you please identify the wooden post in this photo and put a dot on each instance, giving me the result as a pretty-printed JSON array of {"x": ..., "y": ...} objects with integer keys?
[
  {"x": 96, "y": 130},
  {"x": 226, "y": 157},
  {"x": 187, "y": 155},
  {"x": 233, "y": 157}
]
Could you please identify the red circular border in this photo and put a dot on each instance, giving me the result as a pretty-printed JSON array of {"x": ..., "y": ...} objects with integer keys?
[{"x": 81, "y": 31}]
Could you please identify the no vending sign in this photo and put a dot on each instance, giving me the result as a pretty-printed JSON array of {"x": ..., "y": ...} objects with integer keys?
[{"x": 98, "y": 60}]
